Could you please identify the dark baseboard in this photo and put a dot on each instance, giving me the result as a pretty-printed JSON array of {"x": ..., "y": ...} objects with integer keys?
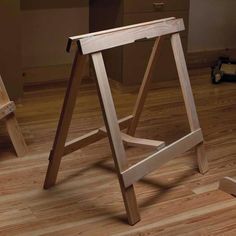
[
  {"x": 204, "y": 59},
  {"x": 48, "y": 75}
]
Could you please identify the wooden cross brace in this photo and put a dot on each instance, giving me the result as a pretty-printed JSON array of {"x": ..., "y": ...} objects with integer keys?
[
  {"x": 92, "y": 44},
  {"x": 7, "y": 109}
]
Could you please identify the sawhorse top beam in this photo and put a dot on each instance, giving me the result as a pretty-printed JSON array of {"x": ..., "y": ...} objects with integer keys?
[{"x": 94, "y": 42}]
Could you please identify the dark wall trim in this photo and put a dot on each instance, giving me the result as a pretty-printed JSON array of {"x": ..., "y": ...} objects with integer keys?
[
  {"x": 208, "y": 58},
  {"x": 52, "y": 4}
]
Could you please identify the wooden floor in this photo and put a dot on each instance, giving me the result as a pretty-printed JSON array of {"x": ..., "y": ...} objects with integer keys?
[{"x": 174, "y": 200}]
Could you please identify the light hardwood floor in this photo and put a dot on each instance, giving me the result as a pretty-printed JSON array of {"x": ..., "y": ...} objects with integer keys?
[{"x": 175, "y": 200}]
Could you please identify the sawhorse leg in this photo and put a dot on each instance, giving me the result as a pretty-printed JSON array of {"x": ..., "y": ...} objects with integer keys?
[
  {"x": 16, "y": 136},
  {"x": 114, "y": 136},
  {"x": 188, "y": 98},
  {"x": 65, "y": 120}
]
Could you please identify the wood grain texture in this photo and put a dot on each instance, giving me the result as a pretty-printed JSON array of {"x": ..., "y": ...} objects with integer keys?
[
  {"x": 103, "y": 40},
  {"x": 7, "y": 109},
  {"x": 87, "y": 200},
  {"x": 116, "y": 29},
  {"x": 125, "y": 36}
]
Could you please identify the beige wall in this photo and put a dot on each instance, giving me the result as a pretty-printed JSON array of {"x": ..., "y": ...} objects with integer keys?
[
  {"x": 45, "y": 33},
  {"x": 46, "y": 26},
  {"x": 212, "y": 25},
  {"x": 10, "y": 47}
]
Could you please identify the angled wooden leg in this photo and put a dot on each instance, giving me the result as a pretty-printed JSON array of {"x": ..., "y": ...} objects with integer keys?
[
  {"x": 16, "y": 136},
  {"x": 12, "y": 124},
  {"x": 114, "y": 136},
  {"x": 202, "y": 159},
  {"x": 65, "y": 120},
  {"x": 188, "y": 98},
  {"x": 144, "y": 87}
]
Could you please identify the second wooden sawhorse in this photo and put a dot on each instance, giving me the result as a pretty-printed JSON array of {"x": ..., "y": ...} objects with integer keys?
[{"x": 7, "y": 115}]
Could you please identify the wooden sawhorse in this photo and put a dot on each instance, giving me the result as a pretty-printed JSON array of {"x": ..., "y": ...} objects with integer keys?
[
  {"x": 92, "y": 44},
  {"x": 7, "y": 109}
]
